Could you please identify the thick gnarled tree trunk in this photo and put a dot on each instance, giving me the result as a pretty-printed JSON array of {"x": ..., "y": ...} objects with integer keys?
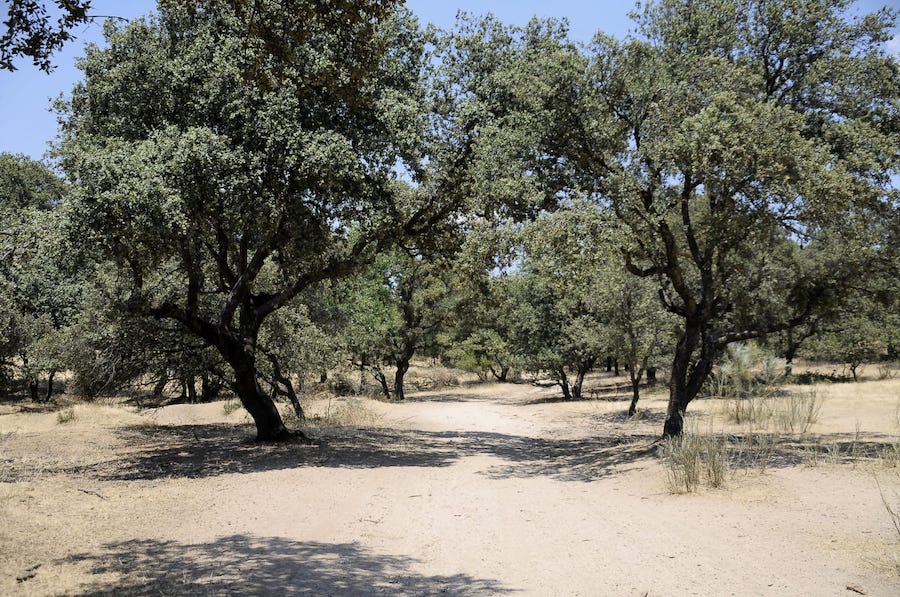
[{"x": 688, "y": 374}]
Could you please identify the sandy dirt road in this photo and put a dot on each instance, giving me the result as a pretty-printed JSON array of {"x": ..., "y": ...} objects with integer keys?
[{"x": 490, "y": 490}]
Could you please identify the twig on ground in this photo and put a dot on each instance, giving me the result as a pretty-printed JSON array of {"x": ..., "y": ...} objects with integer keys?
[{"x": 92, "y": 492}]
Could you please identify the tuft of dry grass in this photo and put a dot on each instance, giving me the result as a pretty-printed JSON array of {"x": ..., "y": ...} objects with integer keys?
[
  {"x": 66, "y": 415},
  {"x": 337, "y": 412},
  {"x": 692, "y": 459}
]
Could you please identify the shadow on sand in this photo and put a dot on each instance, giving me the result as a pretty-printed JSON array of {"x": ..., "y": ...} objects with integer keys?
[
  {"x": 246, "y": 565},
  {"x": 197, "y": 451}
]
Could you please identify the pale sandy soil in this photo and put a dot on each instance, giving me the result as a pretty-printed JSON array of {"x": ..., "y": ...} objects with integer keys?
[{"x": 483, "y": 490}]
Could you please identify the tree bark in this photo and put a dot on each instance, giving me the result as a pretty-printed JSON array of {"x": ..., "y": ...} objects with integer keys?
[
  {"x": 260, "y": 406},
  {"x": 402, "y": 368},
  {"x": 190, "y": 384},
  {"x": 563, "y": 381},
  {"x": 502, "y": 375},
  {"x": 50, "y": 375},
  {"x": 583, "y": 370},
  {"x": 687, "y": 377},
  {"x": 382, "y": 381},
  {"x": 635, "y": 390}
]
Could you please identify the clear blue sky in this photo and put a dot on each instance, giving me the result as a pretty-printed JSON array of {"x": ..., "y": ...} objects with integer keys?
[{"x": 27, "y": 124}]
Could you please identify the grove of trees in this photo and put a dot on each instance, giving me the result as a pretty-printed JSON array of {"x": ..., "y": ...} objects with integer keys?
[{"x": 245, "y": 195}]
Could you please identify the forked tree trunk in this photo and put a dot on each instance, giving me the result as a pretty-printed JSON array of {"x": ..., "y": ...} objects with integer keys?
[
  {"x": 687, "y": 376},
  {"x": 502, "y": 374},
  {"x": 576, "y": 387}
]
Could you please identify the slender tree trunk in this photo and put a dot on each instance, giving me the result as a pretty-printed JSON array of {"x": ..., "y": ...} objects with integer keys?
[
  {"x": 635, "y": 390},
  {"x": 190, "y": 382},
  {"x": 563, "y": 381},
  {"x": 33, "y": 390},
  {"x": 616, "y": 367},
  {"x": 579, "y": 380},
  {"x": 362, "y": 376},
  {"x": 382, "y": 381},
  {"x": 402, "y": 368},
  {"x": 284, "y": 386},
  {"x": 160, "y": 386},
  {"x": 50, "y": 375}
]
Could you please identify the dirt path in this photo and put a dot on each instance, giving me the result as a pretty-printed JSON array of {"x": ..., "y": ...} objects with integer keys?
[{"x": 488, "y": 491}]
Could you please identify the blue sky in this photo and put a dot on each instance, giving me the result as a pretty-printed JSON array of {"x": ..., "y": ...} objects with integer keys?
[{"x": 27, "y": 124}]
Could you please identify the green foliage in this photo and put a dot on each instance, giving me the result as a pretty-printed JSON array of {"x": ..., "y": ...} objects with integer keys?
[
  {"x": 38, "y": 298},
  {"x": 229, "y": 156},
  {"x": 394, "y": 311},
  {"x": 866, "y": 332},
  {"x": 31, "y": 32},
  {"x": 731, "y": 139}
]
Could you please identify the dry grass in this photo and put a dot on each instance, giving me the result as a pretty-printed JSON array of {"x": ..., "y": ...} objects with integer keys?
[
  {"x": 336, "y": 412},
  {"x": 695, "y": 459},
  {"x": 66, "y": 415}
]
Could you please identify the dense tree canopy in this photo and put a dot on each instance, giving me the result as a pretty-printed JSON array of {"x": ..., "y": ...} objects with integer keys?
[
  {"x": 497, "y": 193},
  {"x": 731, "y": 138},
  {"x": 223, "y": 192}
]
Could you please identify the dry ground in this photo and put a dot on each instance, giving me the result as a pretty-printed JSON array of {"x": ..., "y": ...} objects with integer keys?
[{"x": 488, "y": 489}]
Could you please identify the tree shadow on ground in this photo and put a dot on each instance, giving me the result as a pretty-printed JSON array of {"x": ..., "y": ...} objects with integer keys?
[
  {"x": 445, "y": 396},
  {"x": 198, "y": 451},
  {"x": 644, "y": 415},
  {"x": 247, "y": 565},
  {"x": 767, "y": 450}
]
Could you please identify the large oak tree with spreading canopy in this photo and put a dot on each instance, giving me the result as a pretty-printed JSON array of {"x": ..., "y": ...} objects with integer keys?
[
  {"x": 228, "y": 154},
  {"x": 739, "y": 141}
]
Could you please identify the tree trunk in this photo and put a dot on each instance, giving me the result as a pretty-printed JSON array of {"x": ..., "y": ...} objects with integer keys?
[
  {"x": 790, "y": 353},
  {"x": 378, "y": 374},
  {"x": 209, "y": 389},
  {"x": 687, "y": 379},
  {"x": 160, "y": 386},
  {"x": 563, "y": 381},
  {"x": 50, "y": 375},
  {"x": 362, "y": 376},
  {"x": 241, "y": 355},
  {"x": 190, "y": 383},
  {"x": 583, "y": 370},
  {"x": 616, "y": 366},
  {"x": 402, "y": 368},
  {"x": 635, "y": 390},
  {"x": 501, "y": 376},
  {"x": 33, "y": 390},
  {"x": 269, "y": 426}
]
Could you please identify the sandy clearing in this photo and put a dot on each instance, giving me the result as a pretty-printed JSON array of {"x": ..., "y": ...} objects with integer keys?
[{"x": 488, "y": 490}]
